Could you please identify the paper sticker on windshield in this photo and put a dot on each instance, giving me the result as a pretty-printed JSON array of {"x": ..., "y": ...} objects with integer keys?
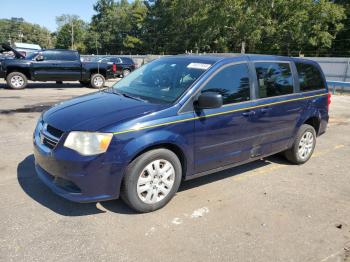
[{"x": 199, "y": 66}]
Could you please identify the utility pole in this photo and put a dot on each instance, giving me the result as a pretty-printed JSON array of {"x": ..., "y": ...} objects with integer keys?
[
  {"x": 243, "y": 47},
  {"x": 72, "y": 20},
  {"x": 96, "y": 44}
]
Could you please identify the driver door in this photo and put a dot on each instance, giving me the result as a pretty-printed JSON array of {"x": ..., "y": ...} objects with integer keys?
[
  {"x": 45, "y": 67},
  {"x": 225, "y": 135}
]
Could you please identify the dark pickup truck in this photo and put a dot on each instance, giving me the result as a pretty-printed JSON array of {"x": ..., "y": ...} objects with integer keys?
[{"x": 52, "y": 65}]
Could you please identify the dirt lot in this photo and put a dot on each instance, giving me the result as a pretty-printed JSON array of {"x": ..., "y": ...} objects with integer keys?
[{"x": 268, "y": 210}]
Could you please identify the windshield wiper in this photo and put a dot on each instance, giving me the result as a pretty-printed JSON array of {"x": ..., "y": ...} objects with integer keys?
[
  {"x": 113, "y": 91},
  {"x": 132, "y": 97}
]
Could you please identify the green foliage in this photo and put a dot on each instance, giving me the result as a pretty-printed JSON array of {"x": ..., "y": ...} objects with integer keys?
[
  {"x": 20, "y": 31},
  {"x": 286, "y": 27},
  {"x": 68, "y": 25}
]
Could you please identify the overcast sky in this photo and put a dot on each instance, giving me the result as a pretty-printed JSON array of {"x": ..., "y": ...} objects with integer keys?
[{"x": 44, "y": 12}]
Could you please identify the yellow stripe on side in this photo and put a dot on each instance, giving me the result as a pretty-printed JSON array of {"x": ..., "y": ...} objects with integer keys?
[{"x": 215, "y": 114}]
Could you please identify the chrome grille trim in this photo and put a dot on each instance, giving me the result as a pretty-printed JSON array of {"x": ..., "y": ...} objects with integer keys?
[{"x": 48, "y": 139}]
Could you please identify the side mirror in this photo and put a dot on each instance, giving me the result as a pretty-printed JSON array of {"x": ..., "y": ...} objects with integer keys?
[
  {"x": 39, "y": 58},
  {"x": 209, "y": 100}
]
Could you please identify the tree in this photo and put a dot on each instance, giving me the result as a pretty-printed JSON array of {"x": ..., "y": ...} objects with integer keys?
[
  {"x": 71, "y": 32},
  {"x": 17, "y": 30}
]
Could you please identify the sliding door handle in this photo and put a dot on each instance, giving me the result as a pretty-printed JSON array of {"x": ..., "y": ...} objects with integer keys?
[{"x": 248, "y": 113}]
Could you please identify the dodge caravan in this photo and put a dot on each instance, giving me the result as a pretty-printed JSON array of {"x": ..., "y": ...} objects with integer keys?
[{"x": 179, "y": 118}]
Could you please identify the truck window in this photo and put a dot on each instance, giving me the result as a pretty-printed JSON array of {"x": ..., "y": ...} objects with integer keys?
[
  {"x": 232, "y": 83},
  {"x": 310, "y": 77},
  {"x": 50, "y": 55},
  {"x": 274, "y": 79},
  {"x": 67, "y": 56}
]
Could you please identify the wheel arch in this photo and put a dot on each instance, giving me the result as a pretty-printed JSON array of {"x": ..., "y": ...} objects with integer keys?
[
  {"x": 22, "y": 70},
  {"x": 101, "y": 71},
  {"x": 315, "y": 122},
  {"x": 177, "y": 150}
]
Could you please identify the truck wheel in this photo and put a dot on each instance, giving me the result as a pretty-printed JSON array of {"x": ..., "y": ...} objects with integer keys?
[
  {"x": 84, "y": 83},
  {"x": 97, "y": 81},
  {"x": 151, "y": 180},
  {"x": 16, "y": 80},
  {"x": 126, "y": 72},
  {"x": 303, "y": 146}
]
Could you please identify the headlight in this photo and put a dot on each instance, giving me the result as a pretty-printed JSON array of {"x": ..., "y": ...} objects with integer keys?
[{"x": 87, "y": 143}]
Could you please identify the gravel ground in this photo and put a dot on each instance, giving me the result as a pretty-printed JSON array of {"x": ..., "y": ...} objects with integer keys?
[{"x": 268, "y": 210}]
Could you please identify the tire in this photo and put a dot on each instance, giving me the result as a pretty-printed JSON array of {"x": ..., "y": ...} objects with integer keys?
[
  {"x": 146, "y": 192},
  {"x": 126, "y": 72},
  {"x": 16, "y": 80},
  {"x": 59, "y": 82},
  {"x": 84, "y": 83},
  {"x": 303, "y": 146},
  {"x": 97, "y": 81}
]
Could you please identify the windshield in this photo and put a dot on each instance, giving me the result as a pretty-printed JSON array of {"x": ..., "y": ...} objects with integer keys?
[{"x": 163, "y": 80}]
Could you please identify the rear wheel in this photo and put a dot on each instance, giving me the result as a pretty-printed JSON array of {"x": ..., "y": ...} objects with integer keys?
[
  {"x": 97, "y": 81},
  {"x": 126, "y": 72},
  {"x": 151, "y": 180},
  {"x": 16, "y": 80},
  {"x": 303, "y": 146}
]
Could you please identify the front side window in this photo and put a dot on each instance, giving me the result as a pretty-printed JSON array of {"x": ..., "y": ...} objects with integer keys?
[
  {"x": 50, "y": 55},
  {"x": 274, "y": 79},
  {"x": 163, "y": 80},
  {"x": 232, "y": 83},
  {"x": 310, "y": 77}
]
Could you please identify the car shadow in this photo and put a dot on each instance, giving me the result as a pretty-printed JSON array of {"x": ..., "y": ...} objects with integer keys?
[
  {"x": 45, "y": 85},
  {"x": 53, "y": 85},
  {"x": 39, "y": 192},
  {"x": 234, "y": 171}
]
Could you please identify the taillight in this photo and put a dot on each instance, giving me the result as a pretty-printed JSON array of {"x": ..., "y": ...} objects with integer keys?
[
  {"x": 329, "y": 100},
  {"x": 114, "y": 68}
]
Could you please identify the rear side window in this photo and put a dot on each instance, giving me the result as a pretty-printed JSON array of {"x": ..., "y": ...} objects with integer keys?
[
  {"x": 274, "y": 79},
  {"x": 127, "y": 60},
  {"x": 310, "y": 77},
  {"x": 67, "y": 56},
  {"x": 232, "y": 83},
  {"x": 59, "y": 55}
]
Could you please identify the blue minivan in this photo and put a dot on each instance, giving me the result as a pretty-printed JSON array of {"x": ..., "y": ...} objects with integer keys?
[{"x": 179, "y": 118}]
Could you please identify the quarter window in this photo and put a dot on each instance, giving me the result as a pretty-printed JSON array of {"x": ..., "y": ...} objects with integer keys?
[
  {"x": 310, "y": 77},
  {"x": 274, "y": 79},
  {"x": 232, "y": 83}
]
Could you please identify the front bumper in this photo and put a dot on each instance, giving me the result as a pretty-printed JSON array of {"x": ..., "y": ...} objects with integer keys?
[{"x": 75, "y": 177}]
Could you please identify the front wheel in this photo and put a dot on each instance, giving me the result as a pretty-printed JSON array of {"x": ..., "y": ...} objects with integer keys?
[
  {"x": 303, "y": 146},
  {"x": 97, "y": 81},
  {"x": 16, "y": 80},
  {"x": 151, "y": 180}
]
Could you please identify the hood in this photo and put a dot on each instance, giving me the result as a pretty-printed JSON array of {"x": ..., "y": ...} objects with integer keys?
[
  {"x": 7, "y": 48},
  {"x": 95, "y": 111}
]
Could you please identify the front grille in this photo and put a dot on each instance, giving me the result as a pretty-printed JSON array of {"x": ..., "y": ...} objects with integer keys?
[
  {"x": 54, "y": 131},
  {"x": 50, "y": 136},
  {"x": 50, "y": 143}
]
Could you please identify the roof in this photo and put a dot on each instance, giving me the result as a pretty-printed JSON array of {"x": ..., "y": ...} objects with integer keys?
[{"x": 218, "y": 57}]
